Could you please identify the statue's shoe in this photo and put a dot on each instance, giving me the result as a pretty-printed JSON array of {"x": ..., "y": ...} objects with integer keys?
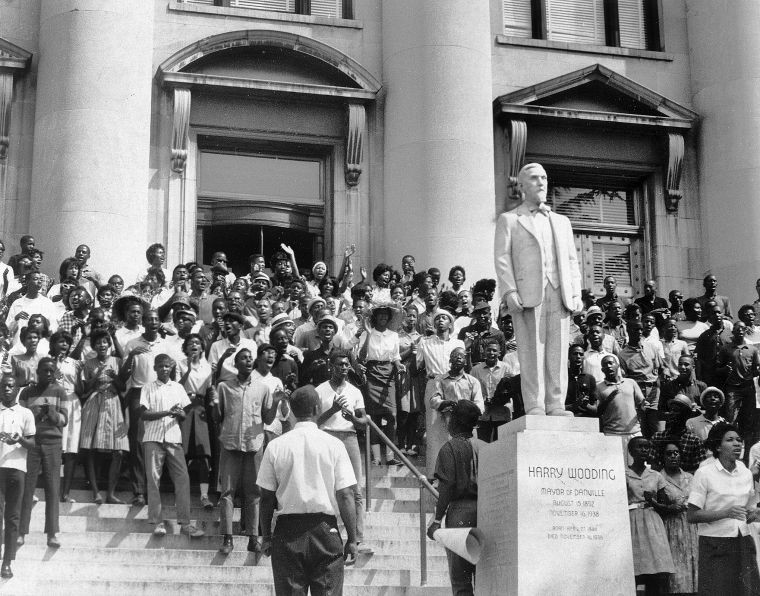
[{"x": 561, "y": 412}]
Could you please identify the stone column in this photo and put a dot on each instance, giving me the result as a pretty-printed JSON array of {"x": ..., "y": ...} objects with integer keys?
[
  {"x": 92, "y": 133},
  {"x": 725, "y": 75},
  {"x": 438, "y": 168}
]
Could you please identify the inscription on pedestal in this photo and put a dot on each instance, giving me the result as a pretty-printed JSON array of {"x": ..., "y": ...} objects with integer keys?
[{"x": 553, "y": 507}]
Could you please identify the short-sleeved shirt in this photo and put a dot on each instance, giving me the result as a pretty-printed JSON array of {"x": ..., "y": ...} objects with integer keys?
[
  {"x": 124, "y": 336},
  {"x": 142, "y": 364},
  {"x": 229, "y": 372},
  {"x": 671, "y": 352},
  {"x": 199, "y": 379},
  {"x": 640, "y": 363},
  {"x": 15, "y": 419},
  {"x": 157, "y": 397},
  {"x": 649, "y": 481},
  {"x": 715, "y": 488},
  {"x": 242, "y": 405},
  {"x": 304, "y": 468},
  {"x": 618, "y": 413},
  {"x": 327, "y": 395}
]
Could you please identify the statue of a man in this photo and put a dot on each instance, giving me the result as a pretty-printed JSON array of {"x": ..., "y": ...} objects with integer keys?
[{"x": 539, "y": 281}]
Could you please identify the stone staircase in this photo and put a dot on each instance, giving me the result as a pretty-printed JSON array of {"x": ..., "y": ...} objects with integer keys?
[{"x": 110, "y": 549}]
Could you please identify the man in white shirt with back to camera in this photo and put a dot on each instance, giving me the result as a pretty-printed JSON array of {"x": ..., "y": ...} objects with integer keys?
[{"x": 308, "y": 475}]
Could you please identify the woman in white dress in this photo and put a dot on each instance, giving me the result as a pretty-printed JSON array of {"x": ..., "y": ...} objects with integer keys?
[{"x": 67, "y": 375}]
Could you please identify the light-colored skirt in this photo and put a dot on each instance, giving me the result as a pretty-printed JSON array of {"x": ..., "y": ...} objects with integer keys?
[
  {"x": 103, "y": 426},
  {"x": 684, "y": 548},
  {"x": 70, "y": 433},
  {"x": 651, "y": 551}
]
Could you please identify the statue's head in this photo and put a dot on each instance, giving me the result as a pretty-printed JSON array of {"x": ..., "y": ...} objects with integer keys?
[{"x": 533, "y": 184}]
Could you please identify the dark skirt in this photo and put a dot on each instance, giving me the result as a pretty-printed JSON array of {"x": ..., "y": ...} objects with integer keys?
[
  {"x": 380, "y": 387},
  {"x": 195, "y": 437},
  {"x": 728, "y": 566}
]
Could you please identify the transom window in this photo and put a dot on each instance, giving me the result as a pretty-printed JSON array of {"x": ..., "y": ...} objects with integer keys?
[
  {"x": 607, "y": 213},
  {"x": 620, "y": 23}
]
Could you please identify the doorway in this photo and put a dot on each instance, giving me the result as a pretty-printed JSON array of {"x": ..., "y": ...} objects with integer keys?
[{"x": 239, "y": 241}]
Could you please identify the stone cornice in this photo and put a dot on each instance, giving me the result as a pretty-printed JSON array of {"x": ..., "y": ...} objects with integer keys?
[{"x": 13, "y": 57}]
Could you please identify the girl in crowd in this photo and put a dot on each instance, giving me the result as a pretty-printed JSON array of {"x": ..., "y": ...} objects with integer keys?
[
  {"x": 195, "y": 376},
  {"x": 380, "y": 361},
  {"x": 723, "y": 501},
  {"x": 103, "y": 430},
  {"x": 41, "y": 325},
  {"x": 69, "y": 269},
  {"x": 682, "y": 536},
  {"x": 318, "y": 273},
  {"x": 24, "y": 366},
  {"x": 646, "y": 491},
  {"x": 67, "y": 376},
  {"x": 690, "y": 329},
  {"x": 381, "y": 293},
  {"x": 457, "y": 278},
  {"x": 410, "y": 387}
]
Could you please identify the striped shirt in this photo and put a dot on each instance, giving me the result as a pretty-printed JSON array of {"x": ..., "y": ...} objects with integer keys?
[{"x": 158, "y": 397}]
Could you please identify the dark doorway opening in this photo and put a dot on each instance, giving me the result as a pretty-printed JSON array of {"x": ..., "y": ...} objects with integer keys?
[{"x": 241, "y": 241}]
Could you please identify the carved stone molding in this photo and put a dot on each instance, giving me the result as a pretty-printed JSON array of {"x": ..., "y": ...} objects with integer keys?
[
  {"x": 516, "y": 132},
  {"x": 357, "y": 119},
  {"x": 673, "y": 193},
  {"x": 180, "y": 127},
  {"x": 6, "y": 96}
]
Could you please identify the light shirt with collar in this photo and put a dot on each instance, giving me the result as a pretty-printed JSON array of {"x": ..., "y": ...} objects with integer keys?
[
  {"x": 158, "y": 397},
  {"x": 41, "y": 305},
  {"x": 124, "y": 336},
  {"x": 489, "y": 377},
  {"x": 200, "y": 377},
  {"x": 219, "y": 347},
  {"x": 434, "y": 353},
  {"x": 354, "y": 401},
  {"x": 241, "y": 405},
  {"x": 304, "y": 468},
  {"x": 275, "y": 385},
  {"x": 671, "y": 353},
  {"x": 15, "y": 419},
  {"x": 142, "y": 364},
  {"x": 592, "y": 363},
  {"x": 455, "y": 388},
  {"x": 381, "y": 345},
  {"x": 714, "y": 488},
  {"x": 701, "y": 426}
]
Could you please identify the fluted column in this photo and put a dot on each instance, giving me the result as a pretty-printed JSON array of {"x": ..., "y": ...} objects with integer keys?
[
  {"x": 438, "y": 159},
  {"x": 92, "y": 132},
  {"x": 725, "y": 65}
]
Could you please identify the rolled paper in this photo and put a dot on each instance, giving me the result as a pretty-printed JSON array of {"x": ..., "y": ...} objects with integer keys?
[{"x": 465, "y": 542}]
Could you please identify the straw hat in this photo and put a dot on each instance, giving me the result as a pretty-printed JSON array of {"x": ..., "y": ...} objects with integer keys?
[{"x": 396, "y": 314}]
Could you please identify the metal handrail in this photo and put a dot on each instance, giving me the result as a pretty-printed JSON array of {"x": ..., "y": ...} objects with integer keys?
[{"x": 423, "y": 482}]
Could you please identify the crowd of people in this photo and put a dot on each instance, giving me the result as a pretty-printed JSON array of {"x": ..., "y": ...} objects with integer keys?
[{"x": 196, "y": 369}]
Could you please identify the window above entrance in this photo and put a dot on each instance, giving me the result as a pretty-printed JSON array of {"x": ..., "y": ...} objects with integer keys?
[{"x": 617, "y": 23}]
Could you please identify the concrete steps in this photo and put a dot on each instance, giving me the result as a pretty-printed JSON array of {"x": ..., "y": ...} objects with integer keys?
[{"x": 110, "y": 549}]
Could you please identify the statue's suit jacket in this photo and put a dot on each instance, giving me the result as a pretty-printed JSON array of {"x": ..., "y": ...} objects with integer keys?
[{"x": 519, "y": 262}]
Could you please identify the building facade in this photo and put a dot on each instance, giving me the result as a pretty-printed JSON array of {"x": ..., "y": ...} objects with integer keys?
[{"x": 397, "y": 125}]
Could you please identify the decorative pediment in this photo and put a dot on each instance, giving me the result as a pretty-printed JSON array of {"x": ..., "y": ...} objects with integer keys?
[
  {"x": 12, "y": 56},
  {"x": 269, "y": 63},
  {"x": 595, "y": 94}
]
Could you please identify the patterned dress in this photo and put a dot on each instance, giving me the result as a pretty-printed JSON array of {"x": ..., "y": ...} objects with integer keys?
[
  {"x": 68, "y": 375},
  {"x": 103, "y": 426},
  {"x": 683, "y": 536}
]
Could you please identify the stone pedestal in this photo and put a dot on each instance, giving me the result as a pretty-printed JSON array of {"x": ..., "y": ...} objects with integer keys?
[{"x": 553, "y": 506}]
